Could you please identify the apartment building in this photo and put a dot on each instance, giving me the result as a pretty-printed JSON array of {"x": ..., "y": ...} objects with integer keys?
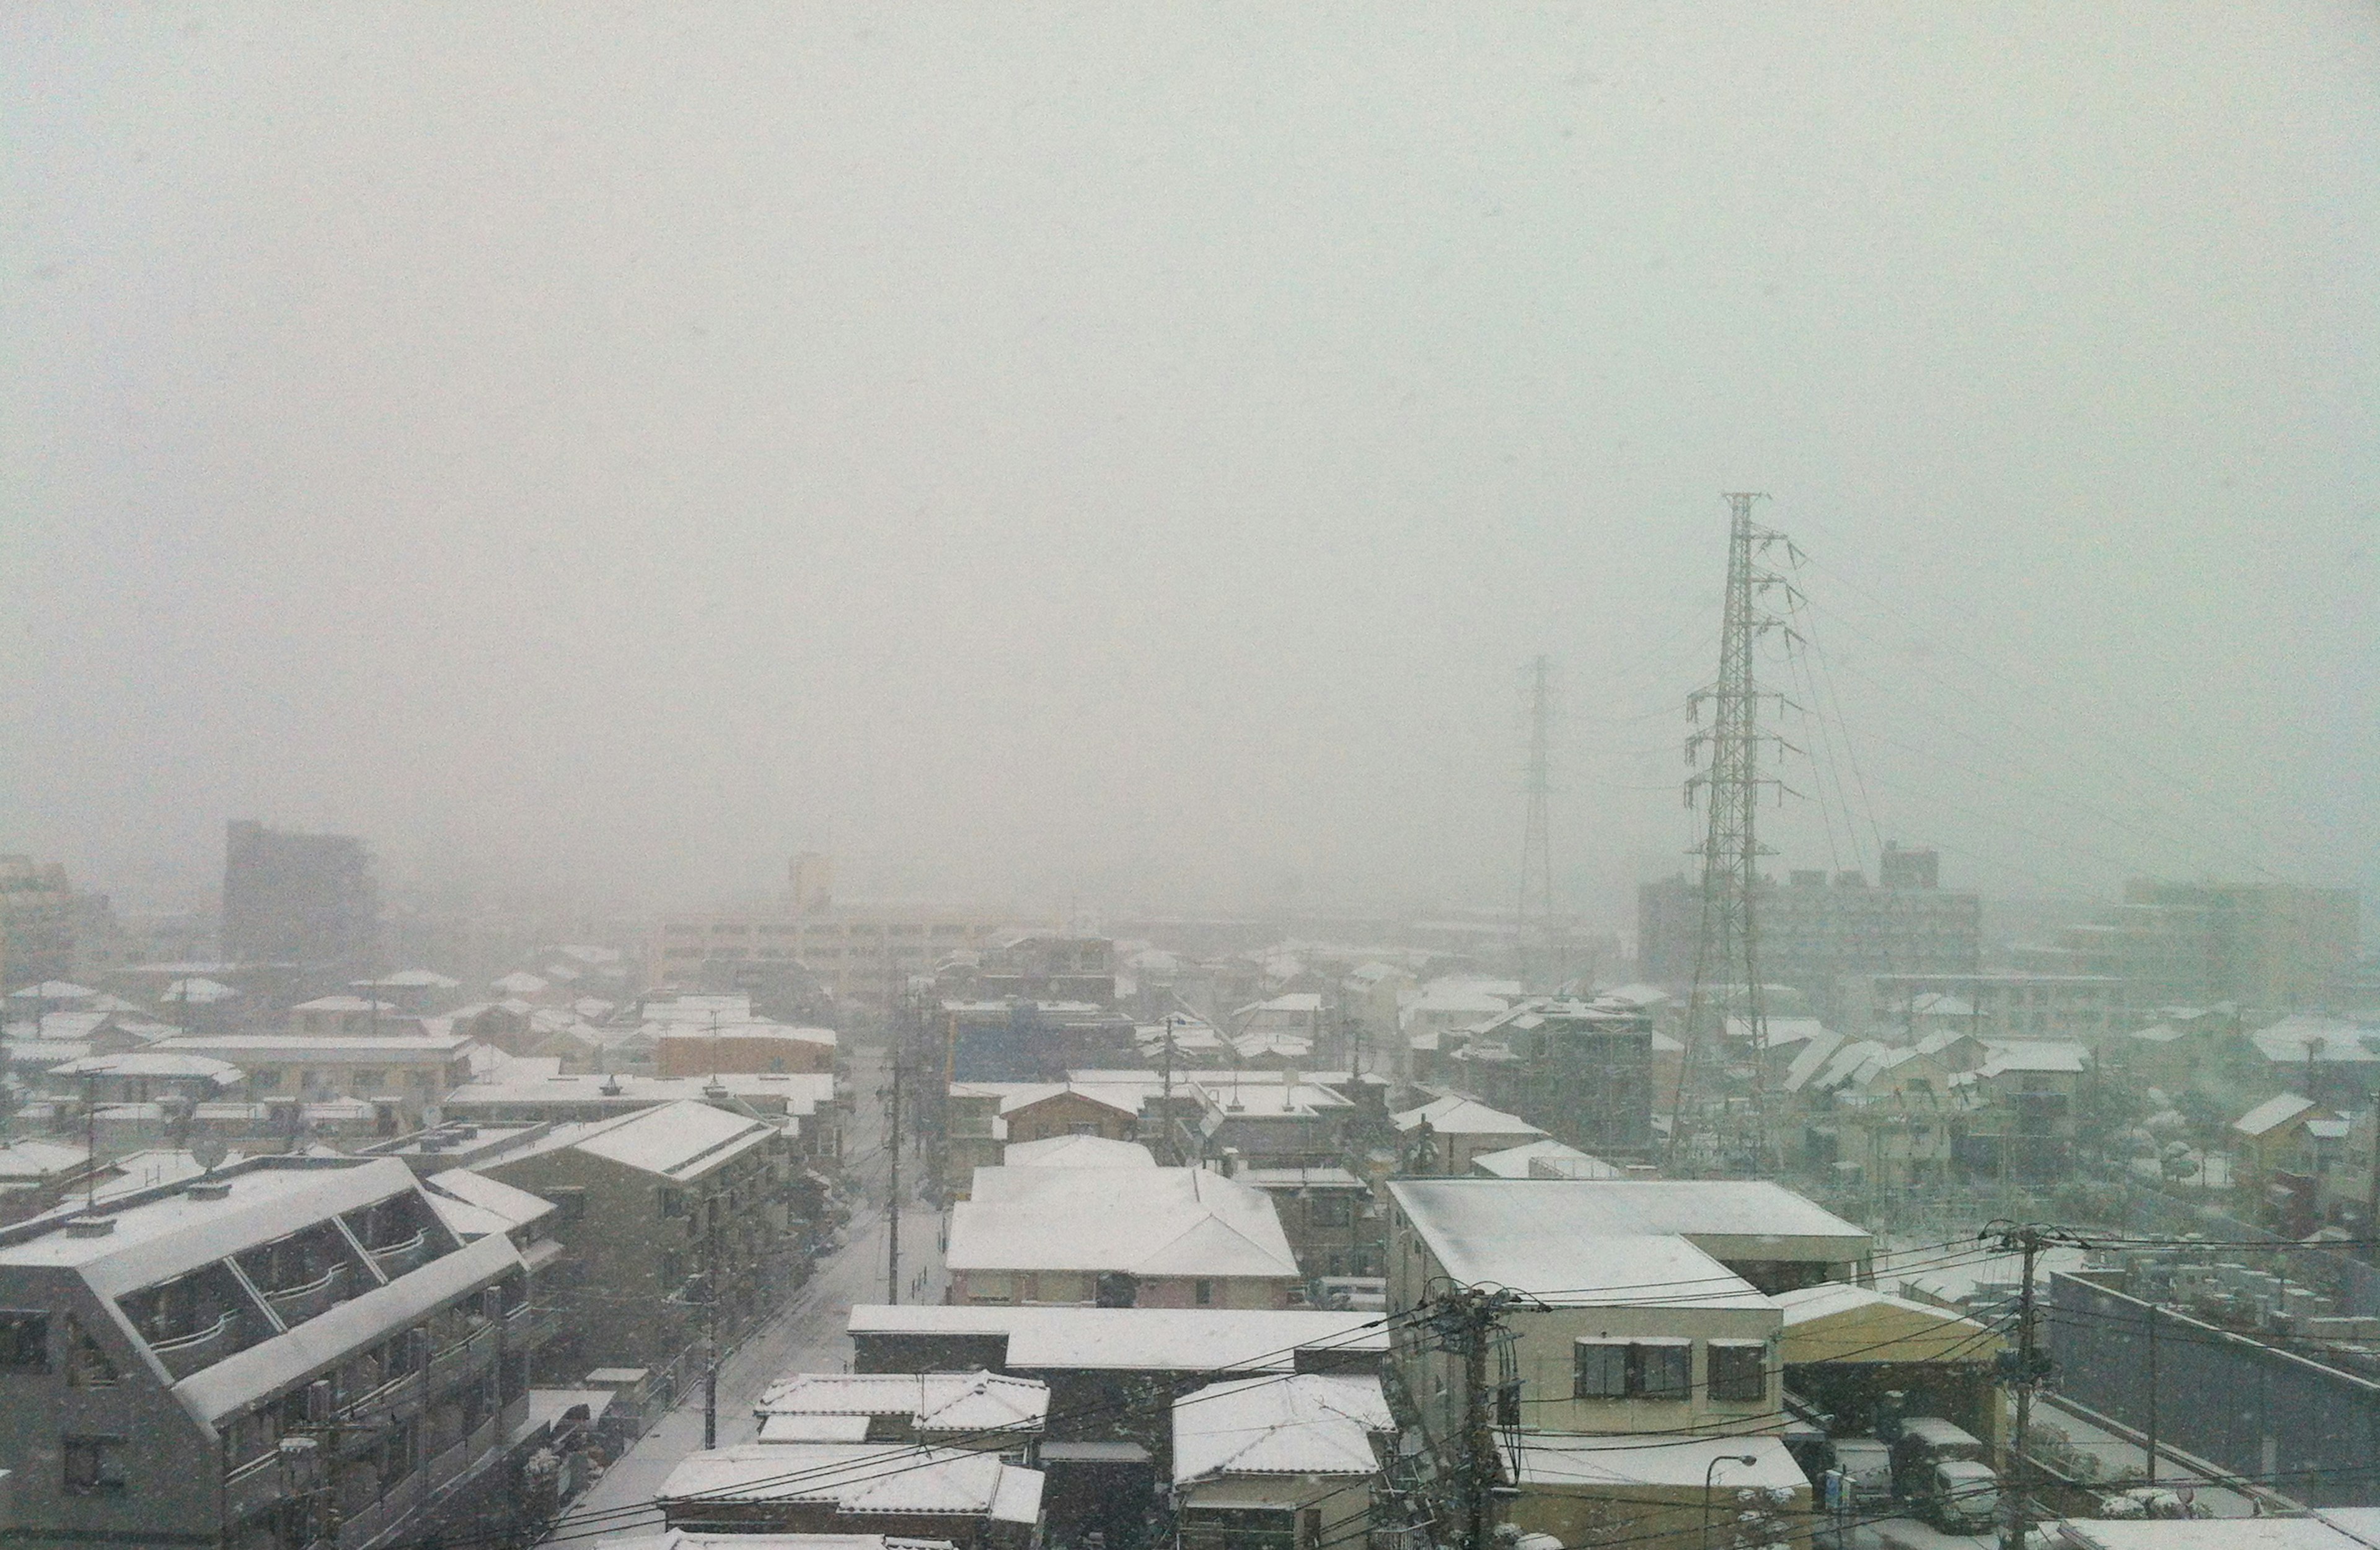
[
  {"x": 1818, "y": 932},
  {"x": 309, "y": 899},
  {"x": 406, "y": 1071},
  {"x": 227, "y": 1360},
  {"x": 855, "y": 952},
  {"x": 692, "y": 1208},
  {"x": 2267, "y": 945},
  {"x": 2085, "y": 1007}
]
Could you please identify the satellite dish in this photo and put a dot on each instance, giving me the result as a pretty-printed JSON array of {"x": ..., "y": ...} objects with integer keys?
[{"x": 209, "y": 1150}]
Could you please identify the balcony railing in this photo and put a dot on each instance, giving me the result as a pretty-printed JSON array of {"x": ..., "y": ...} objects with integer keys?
[
  {"x": 185, "y": 1354},
  {"x": 297, "y": 1304},
  {"x": 398, "y": 1259}
]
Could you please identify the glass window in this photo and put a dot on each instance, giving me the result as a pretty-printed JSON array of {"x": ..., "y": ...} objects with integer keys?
[
  {"x": 1601, "y": 1372},
  {"x": 24, "y": 1342},
  {"x": 1662, "y": 1372},
  {"x": 1738, "y": 1374},
  {"x": 93, "y": 1464},
  {"x": 1203, "y": 1293}
]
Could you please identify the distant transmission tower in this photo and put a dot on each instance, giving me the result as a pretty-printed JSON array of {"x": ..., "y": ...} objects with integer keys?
[
  {"x": 1727, "y": 949},
  {"x": 1540, "y": 961}
]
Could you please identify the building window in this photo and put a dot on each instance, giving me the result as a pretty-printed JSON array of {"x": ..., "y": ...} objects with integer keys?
[
  {"x": 1330, "y": 1211},
  {"x": 1620, "y": 1369},
  {"x": 1739, "y": 1372},
  {"x": 569, "y": 1204},
  {"x": 266, "y": 1079},
  {"x": 673, "y": 1203},
  {"x": 24, "y": 1342},
  {"x": 93, "y": 1465},
  {"x": 1203, "y": 1293}
]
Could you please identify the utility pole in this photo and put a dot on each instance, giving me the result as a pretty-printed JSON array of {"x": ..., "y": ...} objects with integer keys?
[
  {"x": 2152, "y": 1390},
  {"x": 2025, "y": 1373},
  {"x": 1165, "y": 1099},
  {"x": 892, "y": 1204},
  {"x": 1538, "y": 969},
  {"x": 1727, "y": 944},
  {"x": 1466, "y": 1320}
]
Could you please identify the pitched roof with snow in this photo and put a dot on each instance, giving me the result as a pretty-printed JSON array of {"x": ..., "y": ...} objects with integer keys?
[
  {"x": 1077, "y": 1151},
  {"x": 680, "y": 1140},
  {"x": 1138, "y": 1340},
  {"x": 1545, "y": 1159},
  {"x": 1312, "y": 1424},
  {"x": 1462, "y": 1116},
  {"x": 859, "y": 1479},
  {"x": 2272, "y": 1113},
  {"x": 950, "y": 1403},
  {"x": 1153, "y": 1221}
]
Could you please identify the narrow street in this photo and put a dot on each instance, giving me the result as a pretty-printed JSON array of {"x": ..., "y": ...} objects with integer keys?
[{"x": 807, "y": 1336}]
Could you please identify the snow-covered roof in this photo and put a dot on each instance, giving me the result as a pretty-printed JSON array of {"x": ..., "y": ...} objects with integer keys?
[
  {"x": 321, "y": 1048},
  {"x": 1154, "y": 1222},
  {"x": 680, "y": 1140},
  {"x": 756, "y": 1028},
  {"x": 2057, "y": 1056},
  {"x": 859, "y": 1478},
  {"x": 2299, "y": 1039},
  {"x": 950, "y": 1403},
  {"x": 161, "y": 1064},
  {"x": 197, "y": 991},
  {"x": 1138, "y": 1340},
  {"x": 680, "y": 1538},
  {"x": 1077, "y": 1151},
  {"x": 1831, "y": 1298},
  {"x": 53, "y": 990},
  {"x": 1461, "y": 1115},
  {"x": 1552, "y": 1461},
  {"x": 507, "y": 1204},
  {"x": 1311, "y": 1424},
  {"x": 1548, "y": 1159},
  {"x": 1265, "y": 1099},
  {"x": 2322, "y": 1531},
  {"x": 1781, "y": 1032},
  {"x": 154, "y": 1240},
  {"x": 1300, "y": 1002},
  {"x": 30, "y": 1158},
  {"x": 348, "y": 1003},
  {"x": 1533, "y": 1225},
  {"x": 1300, "y": 1179},
  {"x": 2272, "y": 1113}
]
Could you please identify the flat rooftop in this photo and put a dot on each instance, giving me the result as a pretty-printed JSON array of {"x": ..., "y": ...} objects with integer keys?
[{"x": 1148, "y": 1339}]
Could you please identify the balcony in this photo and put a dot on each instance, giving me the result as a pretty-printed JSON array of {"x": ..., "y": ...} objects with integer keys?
[
  {"x": 297, "y": 1304},
  {"x": 185, "y": 1354},
  {"x": 400, "y": 1258},
  {"x": 474, "y": 1349}
]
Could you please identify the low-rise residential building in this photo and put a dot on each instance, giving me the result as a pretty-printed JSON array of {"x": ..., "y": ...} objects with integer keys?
[
  {"x": 1286, "y": 1123},
  {"x": 1160, "y": 1236},
  {"x": 1114, "y": 1373},
  {"x": 1543, "y": 1159},
  {"x": 973, "y": 1500},
  {"x": 1077, "y": 1151},
  {"x": 814, "y": 1101},
  {"x": 410, "y": 1072},
  {"x": 987, "y": 1412},
  {"x": 687, "y": 1205},
  {"x": 2023, "y": 1099},
  {"x": 1277, "y": 1462},
  {"x": 218, "y": 1360},
  {"x": 2089, "y": 1008},
  {"x": 1444, "y": 1134},
  {"x": 1579, "y": 1071},
  {"x": 1333, "y": 1225}
]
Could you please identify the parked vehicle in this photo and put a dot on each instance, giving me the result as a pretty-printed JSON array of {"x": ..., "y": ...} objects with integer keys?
[
  {"x": 1961, "y": 1495},
  {"x": 1868, "y": 1465},
  {"x": 1366, "y": 1294}
]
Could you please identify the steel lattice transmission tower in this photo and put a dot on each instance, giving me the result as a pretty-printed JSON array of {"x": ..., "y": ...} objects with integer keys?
[
  {"x": 1727, "y": 781},
  {"x": 1540, "y": 958}
]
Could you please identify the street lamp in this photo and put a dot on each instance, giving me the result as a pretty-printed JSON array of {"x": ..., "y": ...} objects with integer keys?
[{"x": 1709, "y": 1470}]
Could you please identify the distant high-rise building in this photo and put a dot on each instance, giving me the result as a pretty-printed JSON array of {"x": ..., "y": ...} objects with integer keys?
[
  {"x": 2269, "y": 945},
  {"x": 307, "y": 899},
  {"x": 812, "y": 876},
  {"x": 1815, "y": 934},
  {"x": 37, "y": 918}
]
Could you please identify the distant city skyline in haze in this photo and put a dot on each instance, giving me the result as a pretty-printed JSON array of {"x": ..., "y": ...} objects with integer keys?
[{"x": 1128, "y": 457}]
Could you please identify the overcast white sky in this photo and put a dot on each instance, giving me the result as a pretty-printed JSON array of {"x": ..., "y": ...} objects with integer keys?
[{"x": 1126, "y": 453}]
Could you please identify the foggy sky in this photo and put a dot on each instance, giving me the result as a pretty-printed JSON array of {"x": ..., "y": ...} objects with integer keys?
[{"x": 1126, "y": 455}]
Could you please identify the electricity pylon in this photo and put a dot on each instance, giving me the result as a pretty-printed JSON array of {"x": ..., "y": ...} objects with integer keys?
[
  {"x": 1540, "y": 959},
  {"x": 1727, "y": 781}
]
